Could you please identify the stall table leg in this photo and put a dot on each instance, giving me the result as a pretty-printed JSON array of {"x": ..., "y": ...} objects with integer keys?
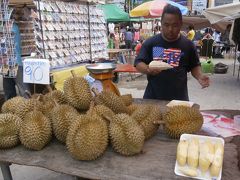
[{"x": 6, "y": 172}]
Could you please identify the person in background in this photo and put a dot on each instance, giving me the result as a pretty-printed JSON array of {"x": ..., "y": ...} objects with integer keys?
[
  {"x": 110, "y": 41},
  {"x": 191, "y": 33},
  {"x": 116, "y": 38},
  {"x": 9, "y": 84},
  {"x": 128, "y": 39},
  {"x": 138, "y": 46},
  {"x": 225, "y": 39},
  {"x": 176, "y": 50}
]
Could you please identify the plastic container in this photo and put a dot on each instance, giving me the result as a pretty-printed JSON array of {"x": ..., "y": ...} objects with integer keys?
[
  {"x": 236, "y": 120},
  {"x": 207, "y": 175},
  {"x": 207, "y": 66}
]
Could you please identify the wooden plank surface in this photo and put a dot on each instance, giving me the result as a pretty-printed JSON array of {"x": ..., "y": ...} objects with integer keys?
[{"x": 157, "y": 162}]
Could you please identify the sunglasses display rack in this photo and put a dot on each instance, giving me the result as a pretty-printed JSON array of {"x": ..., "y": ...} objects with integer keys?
[
  {"x": 8, "y": 66},
  {"x": 69, "y": 33}
]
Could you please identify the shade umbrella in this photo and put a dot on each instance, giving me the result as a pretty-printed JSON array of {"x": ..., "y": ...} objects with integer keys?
[
  {"x": 223, "y": 13},
  {"x": 113, "y": 13},
  {"x": 155, "y": 8}
]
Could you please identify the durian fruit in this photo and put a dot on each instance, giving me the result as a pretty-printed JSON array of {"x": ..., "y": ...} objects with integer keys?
[
  {"x": 35, "y": 131},
  {"x": 77, "y": 92},
  {"x": 182, "y": 119},
  {"x": 103, "y": 111},
  {"x": 57, "y": 96},
  {"x": 127, "y": 99},
  {"x": 193, "y": 153},
  {"x": 62, "y": 116},
  {"x": 12, "y": 104},
  {"x": 27, "y": 106},
  {"x": 87, "y": 138},
  {"x": 217, "y": 160},
  {"x": 9, "y": 130},
  {"x": 146, "y": 116},
  {"x": 206, "y": 155},
  {"x": 182, "y": 150},
  {"x": 127, "y": 136},
  {"x": 111, "y": 100},
  {"x": 131, "y": 108}
]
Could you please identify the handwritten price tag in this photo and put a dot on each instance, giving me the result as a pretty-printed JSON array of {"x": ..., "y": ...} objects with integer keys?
[{"x": 36, "y": 71}]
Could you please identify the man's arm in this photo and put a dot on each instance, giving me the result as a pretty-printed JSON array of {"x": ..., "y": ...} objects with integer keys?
[
  {"x": 143, "y": 68},
  {"x": 202, "y": 78}
]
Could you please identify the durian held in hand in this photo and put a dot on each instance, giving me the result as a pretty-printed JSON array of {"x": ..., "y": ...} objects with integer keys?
[
  {"x": 160, "y": 65},
  {"x": 193, "y": 154},
  {"x": 178, "y": 120}
]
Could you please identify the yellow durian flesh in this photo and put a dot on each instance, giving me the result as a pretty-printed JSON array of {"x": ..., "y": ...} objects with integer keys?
[
  {"x": 35, "y": 131},
  {"x": 206, "y": 155},
  {"x": 182, "y": 151},
  {"x": 9, "y": 130},
  {"x": 217, "y": 160},
  {"x": 193, "y": 153},
  {"x": 127, "y": 136},
  {"x": 87, "y": 138}
]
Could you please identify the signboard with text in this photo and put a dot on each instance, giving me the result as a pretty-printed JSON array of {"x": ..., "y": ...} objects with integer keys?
[
  {"x": 36, "y": 71},
  {"x": 199, "y": 5}
]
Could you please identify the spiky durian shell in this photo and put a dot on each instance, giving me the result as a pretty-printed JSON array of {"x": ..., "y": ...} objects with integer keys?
[
  {"x": 35, "y": 131},
  {"x": 127, "y": 99},
  {"x": 87, "y": 138},
  {"x": 9, "y": 130},
  {"x": 11, "y": 105},
  {"x": 62, "y": 116},
  {"x": 27, "y": 106},
  {"x": 77, "y": 92},
  {"x": 103, "y": 111},
  {"x": 56, "y": 95},
  {"x": 127, "y": 136},
  {"x": 133, "y": 107},
  {"x": 146, "y": 115},
  {"x": 112, "y": 101},
  {"x": 182, "y": 119}
]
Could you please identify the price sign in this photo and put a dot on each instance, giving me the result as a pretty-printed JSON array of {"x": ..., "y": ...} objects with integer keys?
[{"x": 36, "y": 71}]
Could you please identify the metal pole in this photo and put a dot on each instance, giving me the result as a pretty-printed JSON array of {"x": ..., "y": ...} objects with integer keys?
[
  {"x": 6, "y": 172},
  {"x": 40, "y": 20},
  {"x": 89, "y": 30}
]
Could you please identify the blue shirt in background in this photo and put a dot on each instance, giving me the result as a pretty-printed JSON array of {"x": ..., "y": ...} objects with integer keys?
[
  {"x": 17, "y": 43},
  {"x": 128, "y": 36}
]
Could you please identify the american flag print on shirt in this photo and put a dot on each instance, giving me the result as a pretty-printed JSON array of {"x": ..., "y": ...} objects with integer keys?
[{"x": 171, "y": 56}]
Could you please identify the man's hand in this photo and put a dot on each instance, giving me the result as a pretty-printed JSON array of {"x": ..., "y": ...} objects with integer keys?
[
  {"x": 204, "y": 81},
  {"x": 153, "y": 71}
]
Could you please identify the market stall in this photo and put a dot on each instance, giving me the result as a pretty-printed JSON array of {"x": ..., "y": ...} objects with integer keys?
[{"x": 156, "y": 162}]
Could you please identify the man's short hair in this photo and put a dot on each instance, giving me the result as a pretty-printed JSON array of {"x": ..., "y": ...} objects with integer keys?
[{"x": 170, "y": 9}]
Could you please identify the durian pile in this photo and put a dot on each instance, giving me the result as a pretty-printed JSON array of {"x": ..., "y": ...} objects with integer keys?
[
  {"x": 205, "y": 155},
  {"x": 87, "y": 121}
]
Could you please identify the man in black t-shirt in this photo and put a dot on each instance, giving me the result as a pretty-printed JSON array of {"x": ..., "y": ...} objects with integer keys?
[{"x": 170, "y": 46}]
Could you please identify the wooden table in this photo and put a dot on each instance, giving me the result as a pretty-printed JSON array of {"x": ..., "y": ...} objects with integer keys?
[
  {"x": 157, "y": 162},
  {"x": 115, "y": 53}
]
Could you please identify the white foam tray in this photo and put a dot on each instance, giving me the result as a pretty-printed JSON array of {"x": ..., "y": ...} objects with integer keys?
[{"x": 207, "y": 175}]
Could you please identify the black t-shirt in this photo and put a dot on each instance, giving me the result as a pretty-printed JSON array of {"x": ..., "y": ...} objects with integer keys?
[{"x": 172, "y": 83}]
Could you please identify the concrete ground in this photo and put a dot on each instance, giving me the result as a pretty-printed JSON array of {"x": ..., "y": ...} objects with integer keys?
[{"x": 223, "y": 93}]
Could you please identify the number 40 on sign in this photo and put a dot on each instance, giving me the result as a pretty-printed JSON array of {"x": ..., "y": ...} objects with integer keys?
[{"x": 36, "y": 71}]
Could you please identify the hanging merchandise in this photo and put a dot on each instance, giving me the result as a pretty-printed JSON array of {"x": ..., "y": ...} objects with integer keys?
[
  {"x": 236, "y": 30},
  {"x": 69, "y": 33},
  {"x": 7, "y": 46}
]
